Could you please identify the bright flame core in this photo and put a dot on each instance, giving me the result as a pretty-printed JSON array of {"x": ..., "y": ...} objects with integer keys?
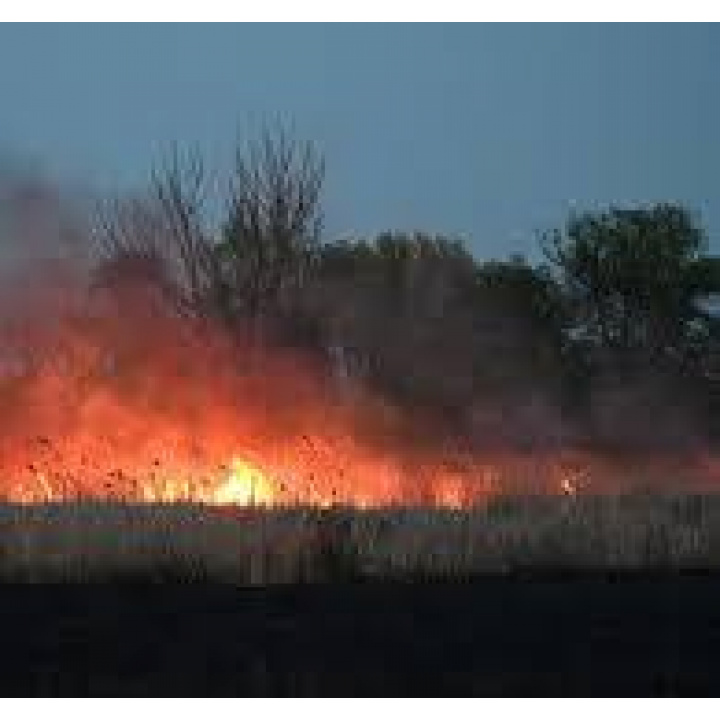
[{"x": 244, "y": 485}]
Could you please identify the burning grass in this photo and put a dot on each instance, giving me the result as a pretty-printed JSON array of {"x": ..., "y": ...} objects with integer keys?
[
  {"x": 138, "y": 442},
  {"x": 114, "y": 397},
  {"x": 96, "y": 540}
]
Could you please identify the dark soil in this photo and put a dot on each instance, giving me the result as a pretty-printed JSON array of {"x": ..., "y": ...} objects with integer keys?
[{"x": 541, "y": 635}]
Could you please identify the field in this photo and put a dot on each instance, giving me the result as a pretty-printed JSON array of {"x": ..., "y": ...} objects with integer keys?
[
  {"x": 542, "y": 596},
  {"x": 257, "y": 546}
]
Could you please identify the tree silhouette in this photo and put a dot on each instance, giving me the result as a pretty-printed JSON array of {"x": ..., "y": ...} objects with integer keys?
[
  {"x": 636, "y": 279},
  {"x": 273, "y": 227}
]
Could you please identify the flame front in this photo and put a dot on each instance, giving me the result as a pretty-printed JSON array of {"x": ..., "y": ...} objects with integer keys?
[{"x": 139, "y": 407}]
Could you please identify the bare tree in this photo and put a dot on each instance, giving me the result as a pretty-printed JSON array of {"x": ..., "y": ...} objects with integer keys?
[
  {"x": 161, "y": 238},
  {"x": 257, "y": 271},
  {"x": 274, "y": 225}
]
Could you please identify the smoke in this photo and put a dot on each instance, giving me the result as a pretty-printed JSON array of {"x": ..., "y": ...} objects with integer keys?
[
  {"x": 649, "y": 415},
  {"x": 106, "y": 390},
  {"x": 38, "y": 221}
]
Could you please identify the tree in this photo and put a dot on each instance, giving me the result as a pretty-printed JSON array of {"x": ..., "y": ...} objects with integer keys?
[
  {"x": 637, "y": 282},
  {"x": 273, "y": 228},
  {"x": 160, "y": 239},
  {"x": 636, "y": 279},
  {"x": 521, "y": 318},
  {"x": 393, "y": 306}
]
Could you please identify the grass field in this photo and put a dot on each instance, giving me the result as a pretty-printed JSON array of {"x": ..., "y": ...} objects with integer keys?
[
  {"x": 256, "y": 546},
  {"x": 159, "y": 599}
]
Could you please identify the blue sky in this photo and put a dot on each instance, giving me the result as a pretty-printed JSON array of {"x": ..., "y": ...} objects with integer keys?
[{"x": 488, "y": 131}]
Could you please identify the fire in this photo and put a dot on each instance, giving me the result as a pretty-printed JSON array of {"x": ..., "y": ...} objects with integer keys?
[
  {"x": 450, "y": 490},
  {"x": 137, "y": 406},
  {"x": 567, "y": 485},
  {"x": 244, "y": 485}
]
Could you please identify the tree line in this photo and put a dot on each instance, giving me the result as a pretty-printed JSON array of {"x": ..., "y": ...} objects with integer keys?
[{"x": 611, "y": 339}]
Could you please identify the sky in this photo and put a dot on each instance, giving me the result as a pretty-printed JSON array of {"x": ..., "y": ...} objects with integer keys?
[{"x": 490, "y": 132}]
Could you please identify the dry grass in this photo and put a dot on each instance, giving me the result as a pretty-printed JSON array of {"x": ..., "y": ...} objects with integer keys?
[{"x": 184, "y": 542}]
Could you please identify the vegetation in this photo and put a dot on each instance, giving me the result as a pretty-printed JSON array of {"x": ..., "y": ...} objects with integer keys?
[
  {"x": 186, "y": 543},
  {"x": 610, "y": 340}
]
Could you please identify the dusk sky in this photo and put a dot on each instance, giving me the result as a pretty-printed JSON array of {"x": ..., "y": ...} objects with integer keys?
[{"x": 492, "y": 132}]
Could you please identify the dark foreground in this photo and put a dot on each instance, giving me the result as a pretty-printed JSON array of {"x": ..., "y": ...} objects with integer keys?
[{"x": 635, "y": 635}]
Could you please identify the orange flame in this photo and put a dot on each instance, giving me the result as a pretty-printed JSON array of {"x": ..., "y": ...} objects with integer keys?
[{"x": 135, "y": 405}]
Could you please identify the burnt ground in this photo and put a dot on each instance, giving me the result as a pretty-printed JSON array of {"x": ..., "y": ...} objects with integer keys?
[{"x": 596, "y": 635}]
